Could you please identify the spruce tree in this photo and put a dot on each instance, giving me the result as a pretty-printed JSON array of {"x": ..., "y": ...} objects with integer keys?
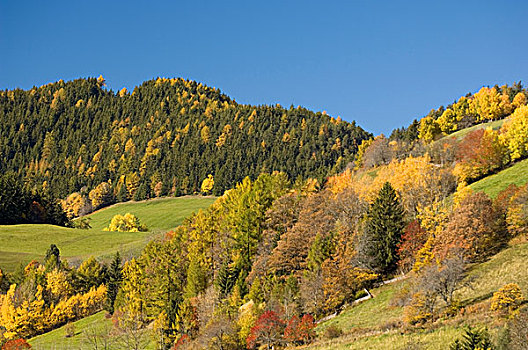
[
  {"x": 383, "y": 231},
  {"x": 52, "y": 259},
  {"x": 115, "y": 277}
]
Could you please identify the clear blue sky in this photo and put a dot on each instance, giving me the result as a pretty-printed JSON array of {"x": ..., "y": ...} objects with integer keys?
[{"x": 381, "y": 63}]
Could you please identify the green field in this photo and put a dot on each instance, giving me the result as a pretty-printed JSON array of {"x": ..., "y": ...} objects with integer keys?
[
  {"x": 492, "y": 185},
  {"x": 459, "y": 135},
  {"x": 22, "y": 243}
]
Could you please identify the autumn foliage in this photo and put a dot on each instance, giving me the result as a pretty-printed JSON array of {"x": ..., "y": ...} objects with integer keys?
[{"x": 16, "y": 344}]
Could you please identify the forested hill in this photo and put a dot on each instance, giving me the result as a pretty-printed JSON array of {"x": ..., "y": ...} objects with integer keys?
[{"x": 163, "y": 138}]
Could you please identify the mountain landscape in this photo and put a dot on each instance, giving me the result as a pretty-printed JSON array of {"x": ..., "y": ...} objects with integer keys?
[{"x": 172, "y": 217}]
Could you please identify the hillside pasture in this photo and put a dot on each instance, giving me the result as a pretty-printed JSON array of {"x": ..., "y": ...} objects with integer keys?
[{"x": 20, "y": 244}]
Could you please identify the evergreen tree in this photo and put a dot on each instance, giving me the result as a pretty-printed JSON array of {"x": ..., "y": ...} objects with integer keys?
[
  {"x": 383, "y": 231},
  {"x": 52, "y": 259},
  {"x": 115, "y": 275},
  {"x": 13, "y": 200}
]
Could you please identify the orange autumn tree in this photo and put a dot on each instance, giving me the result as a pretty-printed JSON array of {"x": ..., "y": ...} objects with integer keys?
[
  {"x": 480, "y": 153},
  {"x": 476, "y": 227}
]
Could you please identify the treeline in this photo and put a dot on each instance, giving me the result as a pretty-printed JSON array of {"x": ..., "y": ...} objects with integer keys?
[
  {"x": 20, "y": 204},
  {"x": 163, "y": 138},
  {"x": 486, "y": 105},
  {"x": 476, "y": 154}
]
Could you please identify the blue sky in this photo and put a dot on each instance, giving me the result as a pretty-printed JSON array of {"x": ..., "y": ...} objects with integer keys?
[{"x": 381, "y": 63}]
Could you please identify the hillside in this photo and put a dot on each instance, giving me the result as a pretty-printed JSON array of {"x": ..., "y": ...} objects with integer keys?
[
  {"x": 164, "y": 137},
  {"x": 365, "y": 328},
  {"x": 22, "y": 243},
  {"x": 274, "y": 254},
  {"x": 496, "y": 183}
]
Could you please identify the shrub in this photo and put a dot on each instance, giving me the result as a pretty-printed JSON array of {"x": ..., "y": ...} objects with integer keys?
[
  {"x": 17, "y": 344},
  {"x": 508, "y": 298},
  {"x": 421, "y": 308},
  {"x": 82, "y": 223},
  {"x": 69, "y": 330},
  {"x": 125, "y": 223},
  {"x": 333, "y": 331}
]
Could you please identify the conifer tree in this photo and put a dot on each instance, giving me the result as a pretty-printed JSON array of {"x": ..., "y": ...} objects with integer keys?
[
  {"x": 383, "y": 231},
  {"x": 52, "y": 259},
  {"x": 115, "y": 276}
]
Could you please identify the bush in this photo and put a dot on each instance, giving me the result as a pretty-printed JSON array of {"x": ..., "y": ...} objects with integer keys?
[
  {"x": 69, "y": 330},
  {"x": 333, "y": 331},
  {"x": 421, "y": 308},
  {"x": 508, "y": 298},
  {"x": 17, "y": 344},
  {"x": 126, "y": 223},
  {"x": 82, "y": 223}
]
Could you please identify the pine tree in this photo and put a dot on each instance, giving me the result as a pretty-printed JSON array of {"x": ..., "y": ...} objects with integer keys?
[{"x": 383, "y": 231}]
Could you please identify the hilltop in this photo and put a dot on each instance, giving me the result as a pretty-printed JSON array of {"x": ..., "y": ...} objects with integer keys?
[{"x": 163, "y": 138}]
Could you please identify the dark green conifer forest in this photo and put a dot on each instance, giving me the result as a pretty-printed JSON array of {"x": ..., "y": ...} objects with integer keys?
[{"x": 163, "y": 138}]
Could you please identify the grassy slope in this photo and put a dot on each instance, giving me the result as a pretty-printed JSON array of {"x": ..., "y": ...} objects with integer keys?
[
  {"x": 56, "y": 339},
  {"x": 95, "y": 324},
  {"x": 459, "y": 135},
  {"x": 366, "y": 325},
  {"x": 516, "y": 174},
  {"x": 21, "y": 243}
]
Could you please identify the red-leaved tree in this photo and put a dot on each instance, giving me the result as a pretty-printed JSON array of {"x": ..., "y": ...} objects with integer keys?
[
  {"x": 413, "y": 239},
  {"x": 268, "y": 330},
  {"x": 300, "y": 330},
  {"x": 480, "y": 153}
]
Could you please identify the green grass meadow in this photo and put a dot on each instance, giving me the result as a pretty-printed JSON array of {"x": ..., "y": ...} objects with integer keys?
[
  {"x": 460, "y": 134},
  {"x": 19, "y": 244},
  {"x": 492, "y": 185}
]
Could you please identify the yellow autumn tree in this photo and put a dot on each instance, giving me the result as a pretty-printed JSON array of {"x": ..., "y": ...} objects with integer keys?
[
  {"x": 514, "y": 133},
  {"x": 207, "y": 184},
  {"x": 428, "y": 129},
  {"x": 338, "y": 183},
  {"x": 448, "y": 121},
  {"x": 488, "y": 104},
  {"x": 132, "y": 184},
  {"x": 205, "y": 134},
  {"x": 361, "y": 152},
  {"x": 101, "y": 195},
  {"x": 74, "y": 205},
  {"x": 58, "y": 285},
  {"x": 125, "y": 223},
  {"x": 519, "y": 100},
  {"x": 8, "y": 313}
]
